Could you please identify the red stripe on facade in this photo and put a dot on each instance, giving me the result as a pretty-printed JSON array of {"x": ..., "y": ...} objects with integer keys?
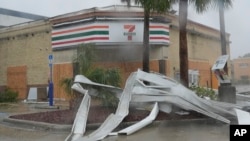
[
  {"x": 82, "y": 28},
  {"x": 159, "y": 26},
  {"x": 158, "y": 38},
  {"x": 81, "y": 40}
]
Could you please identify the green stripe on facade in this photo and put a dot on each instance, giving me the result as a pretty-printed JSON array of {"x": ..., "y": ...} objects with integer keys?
[
  {"x": 158, "y": 32},
  {"x": 80, "y": 35}
]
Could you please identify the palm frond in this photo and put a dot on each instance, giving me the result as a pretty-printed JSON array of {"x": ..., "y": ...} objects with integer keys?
[
  {"x": 201, "y": 5},
  {"x": 84, "y": 58},
  {"x": 226, "y": 4},
  {"x": 127, "y": 1},
  {"x": 83, "y": 64},
  {"x": 66, "y": 83}
]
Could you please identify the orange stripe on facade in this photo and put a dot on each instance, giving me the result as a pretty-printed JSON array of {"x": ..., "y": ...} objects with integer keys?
[{"x": 82, "y": 28}]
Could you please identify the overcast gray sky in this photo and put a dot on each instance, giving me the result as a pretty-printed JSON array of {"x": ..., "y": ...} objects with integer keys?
[{"x": 236, "y": 23}]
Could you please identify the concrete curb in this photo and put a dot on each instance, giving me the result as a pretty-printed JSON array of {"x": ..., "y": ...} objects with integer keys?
[
  {"x": 37, "y": 125},
  {"x": 67, "y": 128}
]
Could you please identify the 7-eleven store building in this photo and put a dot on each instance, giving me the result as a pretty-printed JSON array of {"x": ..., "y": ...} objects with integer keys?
[
  {"x": 117, "y": 32},
  {"x": 118, "y": 37}
]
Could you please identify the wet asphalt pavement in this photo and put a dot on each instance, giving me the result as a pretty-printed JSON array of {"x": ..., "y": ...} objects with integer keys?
[
  {"x": 10, "y": 132},
  {"x": 190, "y": 130}
]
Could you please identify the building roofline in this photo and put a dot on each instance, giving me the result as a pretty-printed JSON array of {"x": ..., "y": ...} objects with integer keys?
[
  {"x": 120, "y": 11},
  {"x": 204, "y": 26},
  {"x": 19, "y": 14}
]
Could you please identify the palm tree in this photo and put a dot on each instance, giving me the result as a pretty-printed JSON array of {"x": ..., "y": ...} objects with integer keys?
[
  {"x": 149, "y": 6},
  {"x": 127, "y": 1},
  {"x": 222, "y": 5},
  {"x": 83, "y": 64},
  {"x": 183, "y": 49},
  {"x": 200, "y": 6}
]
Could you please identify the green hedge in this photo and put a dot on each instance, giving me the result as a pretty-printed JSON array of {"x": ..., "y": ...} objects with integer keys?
[
  {"x": 8, "y": 95},
  {"x": 204, "y": 92}
]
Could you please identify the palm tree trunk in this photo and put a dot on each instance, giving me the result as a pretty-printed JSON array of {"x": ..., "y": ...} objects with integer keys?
[
  {"x": 145, "y": 66},
  {"x": 222, "y": 30},
  {"x": 223, "y": 33},
  {"x": 183, "y": 48}
]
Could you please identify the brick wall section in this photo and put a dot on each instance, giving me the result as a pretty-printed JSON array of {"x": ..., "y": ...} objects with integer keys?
[
  {"x": 3, "y": 62},
  {"x": 17, "y": 80},
  {"x": 27, "y": 45}
]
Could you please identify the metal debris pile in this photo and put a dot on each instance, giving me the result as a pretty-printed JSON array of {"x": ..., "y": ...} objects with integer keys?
[{"x": 160, "y": 94}]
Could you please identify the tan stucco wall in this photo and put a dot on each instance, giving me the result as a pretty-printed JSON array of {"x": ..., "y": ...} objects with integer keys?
[
  {"x": 28, "y": 45},
  {"x": 203, "y": 44},
  {"x": 241, "y": 68}
]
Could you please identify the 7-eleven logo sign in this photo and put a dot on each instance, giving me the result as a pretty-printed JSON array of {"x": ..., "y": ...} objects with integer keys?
[{"x": 130, "y": 33}]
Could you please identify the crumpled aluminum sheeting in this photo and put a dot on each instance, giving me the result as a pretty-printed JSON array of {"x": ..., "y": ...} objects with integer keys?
[
  {"x": 243, "y": 117},
  {"x": 165, "y": 92},
  {"x": 114, "y": 119},
  {"x": 175, "y": 100},
  {"x": 243, "y": 100},
  {"x": 181, "y": 92},
  {"x": 187, "y": 99},
  {"x": 79, "y": 125},
  {"x": 84, "y": 80},
  {"x": 141, "y": 124},
  {"x": 243, "y": 97}
]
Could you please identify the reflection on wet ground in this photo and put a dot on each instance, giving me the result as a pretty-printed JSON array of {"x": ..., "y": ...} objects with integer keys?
[
  {"x": 14, "y": 134},
  {"x": 173, "y": 131},
  {"x": 8, "y": 133},
  {"x": 179, "y": 131},
  {"x": 186, "y": 131}
]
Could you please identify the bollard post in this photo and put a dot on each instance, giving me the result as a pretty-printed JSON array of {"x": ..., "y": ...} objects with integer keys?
[{"x": 227, "y": 93}]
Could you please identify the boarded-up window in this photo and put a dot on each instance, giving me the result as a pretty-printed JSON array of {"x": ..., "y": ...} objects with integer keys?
[{"x": 17, "y": 80}]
